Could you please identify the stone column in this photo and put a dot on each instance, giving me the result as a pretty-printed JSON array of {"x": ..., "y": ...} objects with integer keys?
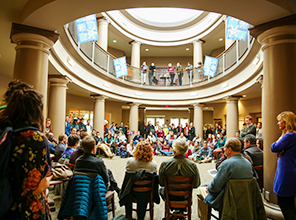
[
  {"x": 197, "y": 52},
  {"x": 135, "y": 60},
  {"x": 279, "y": 48},
  {"x": 31, "y": 59},
  {"x": 99, "y": 113},
  {"x": 103, "y": 33},
  {"x": 232, "y": 115},
  {"x": 198, "y": 119},
  {"x": 57, "y": 103},
  {"x": 134, "y": 117},
  {"x": 228, "y": 42}
]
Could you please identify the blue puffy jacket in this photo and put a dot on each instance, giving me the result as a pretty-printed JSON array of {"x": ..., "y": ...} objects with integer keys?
[{"x": 84, "y": 196}]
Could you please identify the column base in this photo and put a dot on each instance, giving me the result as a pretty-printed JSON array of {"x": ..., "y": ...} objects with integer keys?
[{"x": 273, "y": 211}]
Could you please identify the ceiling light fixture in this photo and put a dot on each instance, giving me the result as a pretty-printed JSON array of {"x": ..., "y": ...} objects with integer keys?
[
  {"x": 220, "y": 39},
  {"x": 187, "y": 48},
  {"x": 147, "y": 49},
  {"x": 114, "y": 41},
  {"x": 70, "y": 61},
  {"x": 244, "y": 96}
]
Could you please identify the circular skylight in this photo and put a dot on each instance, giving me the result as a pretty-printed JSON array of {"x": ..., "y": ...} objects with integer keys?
[{"x": 164, "y": 17}]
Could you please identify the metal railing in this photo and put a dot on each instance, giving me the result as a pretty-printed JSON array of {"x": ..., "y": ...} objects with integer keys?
[{"x": 161, "y": 77}]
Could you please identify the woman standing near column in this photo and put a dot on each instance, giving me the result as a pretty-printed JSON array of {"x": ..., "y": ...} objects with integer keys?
[{"x": 285, "y": 177}]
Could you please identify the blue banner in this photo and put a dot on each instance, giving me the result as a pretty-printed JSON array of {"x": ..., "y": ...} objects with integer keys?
[
  {"x": 210, "y": 66},
  {"x": 87, "y": 29},
  {"x": 120, "y": 67},
  {"x": 236, "y": 29}
]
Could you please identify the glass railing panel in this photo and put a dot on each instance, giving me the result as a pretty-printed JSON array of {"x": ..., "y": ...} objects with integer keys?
[
  {"x": 230, "y": 57},
  {"x": 86, "y": 48},
  {"x": 242, "y": 48}
]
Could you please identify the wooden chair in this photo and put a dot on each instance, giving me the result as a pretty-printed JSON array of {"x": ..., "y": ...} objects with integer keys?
[
  {"x": 146, "y": 185},
  {"x": 110, "y": 197},
  {"x": 70, "y": 165},
  {"x": 178, "y": 186},
  {"x": 259, "y": 170}
]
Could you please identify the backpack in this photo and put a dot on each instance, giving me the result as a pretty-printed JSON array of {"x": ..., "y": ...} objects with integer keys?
[{"x": 7, "y": 142}]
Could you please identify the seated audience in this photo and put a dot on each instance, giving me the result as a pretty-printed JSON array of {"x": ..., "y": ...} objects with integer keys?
[
  {"x": 178, "y": 166},
  {"x": 98, "y": 138},
  {"x": 182, "y": 137},
  {"x": 109, "y": 142},
  {"x": 79, "y": 150},
  {"x": 171, "y": 137},
  {"x": 204, "y": 155},
  {"x": 151, "y": 137},
  {"x": 89, "y": 163},
  {"x": 196, "y": 139},
  {"x": 105, "y": 148},
  {"x": 48, "y": 127},
  {"x": 121, "y": 137},
  {"x": 73, "y": 130},
  {"x": 51, "y": 143},
  {"x": 165, "y": 149},
  {"x": 220, "y": 146},
  {"x": 137, "y": 137},
  {"x": 159, "y": 132},
  {"x": 235, "y": 167},
  {"x": 252, "y": 150},
  {"x": 60, "y": 147},
  {"x": 194, "y": 150},
  {"x": 73, "y": 141},
  {"x": 249, "y": 127},
  {"x": 142, "y": 160},
  {"x": 165, "y": 130},
  {"x": 259, "y": 143},
  {"x": 130, "y": 148}
]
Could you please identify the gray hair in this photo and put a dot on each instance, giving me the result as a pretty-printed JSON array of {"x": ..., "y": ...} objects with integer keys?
[
  {"x": 180, "y": 146},
  {"x": 234, "y": 144},
  {"x": 251, "y": 138}
]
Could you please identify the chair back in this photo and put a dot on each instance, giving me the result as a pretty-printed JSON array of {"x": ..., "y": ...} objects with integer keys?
[
  {"x": 178, "y": 190},
  {"x": 145, "y": 185},
  {"x": 259, "y": 170}
]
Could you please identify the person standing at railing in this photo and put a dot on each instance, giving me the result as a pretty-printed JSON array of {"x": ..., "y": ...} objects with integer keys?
[
  {"x": 200, "y": 70},
  {"x": 172, "y": 73},
  {"x": 179, "y": 68},
  {"x": 144, "y": 68},
  {"x": 190, "y": 71},
  {"x": 152, "y": 69}
]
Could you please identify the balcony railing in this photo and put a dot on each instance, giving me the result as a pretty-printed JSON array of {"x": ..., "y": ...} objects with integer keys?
[{"x": 161, "y": 77}]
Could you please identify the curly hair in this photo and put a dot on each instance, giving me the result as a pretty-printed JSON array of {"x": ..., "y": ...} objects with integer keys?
[
  {"x": 144, "y": 151},
  {"x": 13, "y": 86}
]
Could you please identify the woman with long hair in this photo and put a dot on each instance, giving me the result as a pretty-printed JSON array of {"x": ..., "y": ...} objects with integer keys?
[
  {"x": 29, "y": 168},
  {"x": 285, "y": 177}
]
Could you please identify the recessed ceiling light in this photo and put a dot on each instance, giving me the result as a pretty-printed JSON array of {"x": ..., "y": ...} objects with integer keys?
[
  {"x": 244, "y": 95},
  {"x": 220, "y": 39},
  {"x": 187, "y": 48},
  {"x": 114, "y": 41},
  {"x": 147, "y": 49}
]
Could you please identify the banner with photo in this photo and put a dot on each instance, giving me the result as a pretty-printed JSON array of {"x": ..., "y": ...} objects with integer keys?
[
  {"x": 236, "y": 29},
  {"x": 87, "y": 29},
  {"x": 120, "y": 67},
  {"x": 210, "y": 66}
]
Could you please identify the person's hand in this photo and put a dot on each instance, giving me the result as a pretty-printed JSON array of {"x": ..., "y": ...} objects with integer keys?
[{"x": 207, "y": 191}]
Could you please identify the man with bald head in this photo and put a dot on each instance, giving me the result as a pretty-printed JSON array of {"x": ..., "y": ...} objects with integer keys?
[{"x": 235, "y": 167}]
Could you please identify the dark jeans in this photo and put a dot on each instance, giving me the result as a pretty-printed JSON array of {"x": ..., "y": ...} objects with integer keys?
[
  {"x": 142, "y": 201},
  {"x": 180, "y": 79},
  {"x": 287, "y": 206},
  {"x": 172, "y": 79},
  {"x": 150, "y": 77}
]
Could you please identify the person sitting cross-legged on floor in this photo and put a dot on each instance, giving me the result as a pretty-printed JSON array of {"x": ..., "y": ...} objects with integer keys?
[{"x": 204, "y": 155}]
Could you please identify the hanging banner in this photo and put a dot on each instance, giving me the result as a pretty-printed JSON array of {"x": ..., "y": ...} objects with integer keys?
[
  {"x": 120, "y": 67},
  {"x": 236, "y": 29},
  {"x": 210, "y": 66},
  {"x": 87, "y": 29}
]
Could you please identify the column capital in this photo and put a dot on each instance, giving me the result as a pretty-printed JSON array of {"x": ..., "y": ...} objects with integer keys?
[
  {"x": 260, "y": 29},
  {"x": 199, "y": 41},
  {"x": 19, "y": 31},
  {"x": 138, "y": 43},
  {"x": 134, "y": 104},
  {"x": 198, "y": 105},
  {"x": 231, "y": 98},
  {"x": 278, "y": 35},
  {"x": 98, "y": 97},
  {"x": 59, "y": 79},
  {"x": 103, "y": 21}
]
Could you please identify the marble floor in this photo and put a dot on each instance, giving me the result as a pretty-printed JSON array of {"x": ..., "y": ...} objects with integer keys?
[{"x": 117, "y": 165}]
